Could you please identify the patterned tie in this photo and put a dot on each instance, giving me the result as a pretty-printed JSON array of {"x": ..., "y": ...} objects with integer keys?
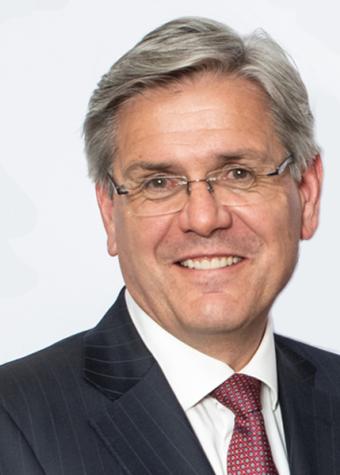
[{"x": 249, "y": 451}]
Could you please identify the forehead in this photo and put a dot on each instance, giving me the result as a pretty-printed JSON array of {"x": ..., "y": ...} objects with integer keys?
[{"x": 195, "y": 120}]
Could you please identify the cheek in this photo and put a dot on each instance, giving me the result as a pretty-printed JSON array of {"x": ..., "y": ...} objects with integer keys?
[
  {"x": 133, "y": 256},
  {"x": 138, "y": 239},
  {"x": 283, "y": 217},
  {"x": 283, "y": 235},
  {"x": 291, "y": 216},
  {"x": 277, "y": 224}
]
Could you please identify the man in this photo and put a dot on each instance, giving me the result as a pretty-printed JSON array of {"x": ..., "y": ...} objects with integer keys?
[{"x": 207, "y": 175}]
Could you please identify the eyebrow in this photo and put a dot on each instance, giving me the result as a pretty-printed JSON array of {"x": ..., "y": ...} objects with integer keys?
[
  {"x": 245, "y": 154},
  {"x": 220, "y": 160},
  {"x": 148, "y": 166}
]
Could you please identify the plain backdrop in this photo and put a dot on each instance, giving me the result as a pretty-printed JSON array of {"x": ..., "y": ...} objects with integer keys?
[{"x": 55, "y": 275}]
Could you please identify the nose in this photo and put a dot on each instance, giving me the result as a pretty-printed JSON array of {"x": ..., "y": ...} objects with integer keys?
[{"x": 202, "y": 213}]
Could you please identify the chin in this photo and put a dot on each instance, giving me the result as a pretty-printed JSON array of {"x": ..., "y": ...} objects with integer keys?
[{"x": 217, "y": 316}]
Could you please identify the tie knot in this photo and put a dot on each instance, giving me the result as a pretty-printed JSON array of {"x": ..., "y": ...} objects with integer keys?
[{"x": 240, "y": 393}]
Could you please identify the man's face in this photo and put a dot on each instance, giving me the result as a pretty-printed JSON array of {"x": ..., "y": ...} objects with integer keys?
[{"x": 190, "y": 127}]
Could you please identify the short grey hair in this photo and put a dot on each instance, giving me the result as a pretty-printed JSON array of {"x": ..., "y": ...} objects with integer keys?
[{"x": 185, "y": 47}]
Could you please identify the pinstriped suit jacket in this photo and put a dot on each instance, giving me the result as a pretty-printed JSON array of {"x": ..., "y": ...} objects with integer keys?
[{"x": 98, "y": 403}]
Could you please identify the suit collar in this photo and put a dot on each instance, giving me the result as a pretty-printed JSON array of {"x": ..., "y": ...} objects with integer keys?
[{"x": 143, "y": 426}]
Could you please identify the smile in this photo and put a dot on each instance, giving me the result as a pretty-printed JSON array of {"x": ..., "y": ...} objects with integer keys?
[{"x": 210, "y": 263}]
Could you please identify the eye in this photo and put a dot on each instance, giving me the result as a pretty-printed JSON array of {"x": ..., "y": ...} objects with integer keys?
[
  {"x": 157, "y": 183},
  {"x": 160, "y": 185},
  {"x": 239, "y": 173},
  {"x": 235, "y": 176}
]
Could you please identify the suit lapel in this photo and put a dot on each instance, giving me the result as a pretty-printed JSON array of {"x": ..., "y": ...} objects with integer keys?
[
  {"x": 306, "y": 412},
  {"x": 143, "y": 426},
  {"x": 148, "y": 432}
]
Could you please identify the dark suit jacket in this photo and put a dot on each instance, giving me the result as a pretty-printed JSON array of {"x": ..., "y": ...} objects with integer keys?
[{"x": 98, "y": 403}]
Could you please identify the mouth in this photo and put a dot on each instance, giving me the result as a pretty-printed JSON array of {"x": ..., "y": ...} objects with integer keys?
[{"x": 210, "y": 263}]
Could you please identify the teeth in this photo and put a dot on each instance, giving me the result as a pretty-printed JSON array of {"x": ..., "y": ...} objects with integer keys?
[{"x": 214, "y": 263}]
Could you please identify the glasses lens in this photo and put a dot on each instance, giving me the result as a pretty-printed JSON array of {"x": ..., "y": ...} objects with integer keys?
[
  {"x": 237, "y": 197},
  {"x": 141, "y": 206}
]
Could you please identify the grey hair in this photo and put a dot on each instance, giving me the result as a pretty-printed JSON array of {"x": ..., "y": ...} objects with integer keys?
[{"x": 185, "y": 47}]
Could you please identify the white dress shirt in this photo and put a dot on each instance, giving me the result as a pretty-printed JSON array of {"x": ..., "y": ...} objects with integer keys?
[{"x": 193, "y": 375}]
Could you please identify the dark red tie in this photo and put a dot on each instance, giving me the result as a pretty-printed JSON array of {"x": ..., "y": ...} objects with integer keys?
[{"x": 249, "y": 451}]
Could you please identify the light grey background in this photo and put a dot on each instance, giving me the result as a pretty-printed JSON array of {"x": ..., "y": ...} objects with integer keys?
[{"x": 55, "y": 276}]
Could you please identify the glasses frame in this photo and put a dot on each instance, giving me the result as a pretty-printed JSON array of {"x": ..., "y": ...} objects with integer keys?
[{"x": 124, "y": 190}]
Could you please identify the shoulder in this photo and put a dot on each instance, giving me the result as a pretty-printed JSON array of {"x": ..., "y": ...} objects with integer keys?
[
  {"x": 56, "y": 372},
  {"x": 44, "y": 397},
  {"x": 308, "y": 359},
  {"x": 45, "y": 407},
  {"x": 61, "y": 358},
  {"x": 310, "y": 352},
  {"x": 57, "y": 354},
  {"x": 42, "y": 369}
]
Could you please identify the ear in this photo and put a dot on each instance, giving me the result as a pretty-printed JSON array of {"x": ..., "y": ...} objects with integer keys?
[
  {"x": 107, "y": 211},
  {"x": 310, "y": 191}
]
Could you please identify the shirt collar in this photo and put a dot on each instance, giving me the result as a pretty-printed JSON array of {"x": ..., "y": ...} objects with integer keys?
[
  {"x": 263, "y": 364},
  {"x": 191, "y": 374}
]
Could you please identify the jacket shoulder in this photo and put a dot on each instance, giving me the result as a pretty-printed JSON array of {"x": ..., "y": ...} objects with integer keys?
[
  {"x": 307, "y": 360},
  {"x": 45, "y": 405},
  {"x": 313, "y": 353},
  {"x": 54, "y": 372},
  {"x": 41, "y": 379},
  {"x": 55, "y": 357}
]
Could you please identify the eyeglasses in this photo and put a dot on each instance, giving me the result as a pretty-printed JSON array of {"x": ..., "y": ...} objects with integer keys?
[{"x": 235, "y": 184}]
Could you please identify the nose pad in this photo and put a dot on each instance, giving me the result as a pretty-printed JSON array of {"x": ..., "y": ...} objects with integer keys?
[
  {"x": 209, "y": 186},
  {"x": 201, "y": 180}
]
